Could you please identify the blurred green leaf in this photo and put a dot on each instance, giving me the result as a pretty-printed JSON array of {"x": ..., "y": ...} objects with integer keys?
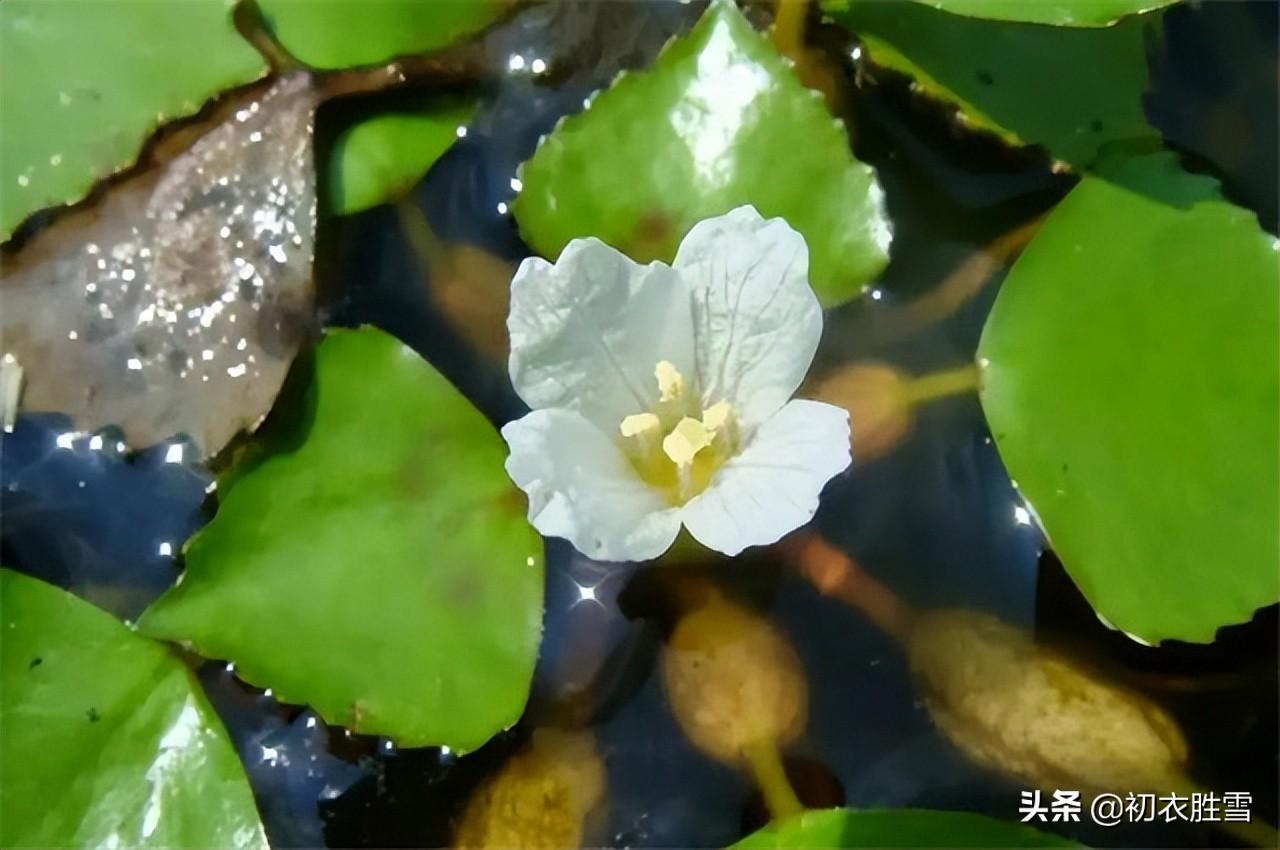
[
  {"x": 719, "y": 121},
  {"x": 838, "y": 829},
  {"x": 372, "y": 560},
  {"x": 1076, "y": 13},
  {"x": 348, "y": 33},
  {"x": 105, "y": 737},
  {"x": 1070, "y": 90},
  {"x": 380, "y": 159},
  {"x": 85, "y": 82},
  {"x": 1133, "y": 391}
]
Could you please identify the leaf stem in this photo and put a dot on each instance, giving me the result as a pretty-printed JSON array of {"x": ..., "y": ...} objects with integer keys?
[
  {"x": 963, "y": 379},
  {"x": 788, "y": 27},
  {"x": 960, "y": 286},
  {"x": 771, "y": 775},
  {"x": 423, "y": 241},
  {"x": 252, "y": 24},
  {"x": 837, "y": 575}
]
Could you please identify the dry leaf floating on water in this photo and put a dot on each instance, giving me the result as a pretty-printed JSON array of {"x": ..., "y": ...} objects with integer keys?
[{"x": 176, "y": 303}]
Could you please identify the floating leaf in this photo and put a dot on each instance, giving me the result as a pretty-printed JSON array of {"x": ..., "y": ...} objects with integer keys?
[
  {"x": 105, "y": 736},
  {"x": 837, "y": 829},
  {"x": 380, "y": 159},
  {"x": 1075, "y": 13},
  {"x": 86, "y": 82},
  {"x": 376, "y": 563},
  {"x": 1000, "y": 76},
  {"x": 717, "y": 122},
  {"x": 346, "y": 33},
  {"x": 1133, "y": 391},
  {"x": 175, "y": 304}
]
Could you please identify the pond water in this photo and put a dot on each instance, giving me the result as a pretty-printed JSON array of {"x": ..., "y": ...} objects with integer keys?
[{"x": 937, "y": 519}]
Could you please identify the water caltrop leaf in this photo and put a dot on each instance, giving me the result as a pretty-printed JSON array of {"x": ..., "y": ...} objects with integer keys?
[
  {"x": 1132, "y": 387},
  {"x": 718, "y": 121},
  {"x": 349, "y": 33},
  {"x": 85, "y": 82},
  {"x": 1072, "y": 13},
  {"x": 999, "y": 75},
  {"x": 106, "y": 737},
  {"x": 174, "y": 304},
  {"x": 839, "y": 829},
  {"x": 378, "y": 160},
  {"x": 373, "y": 560}
]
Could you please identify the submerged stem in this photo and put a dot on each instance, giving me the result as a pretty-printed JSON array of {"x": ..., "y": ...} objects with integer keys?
[
  {"x": 788, "y": 26},
  {"x": 770, "y": 774},
  {"x": 959, "y": 287},
  {"x": 963, "y": 379},
  {"x": 837, "y": 575},
  {"x": 423, "y": 241}
]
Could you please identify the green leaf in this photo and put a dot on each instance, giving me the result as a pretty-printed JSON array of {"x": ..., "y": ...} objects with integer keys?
[
  {"x": 719, "y": 121},
  {"x": 837, "y": 829},
  {"x": 1133, "y": 390},
  {"x": 347, "y": 33},
  {"x": 1069, "y": 90},
  {"x": 372, "y": 561},
  {"x": 380, "y": 159},
  {"x": 105, "y": 737},
  {"x": 85, "y": 82},
  {"x": 1074, "y": 13}
]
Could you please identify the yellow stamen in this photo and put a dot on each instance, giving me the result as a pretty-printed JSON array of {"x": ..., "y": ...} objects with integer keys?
[
  {"x": 638, "y": 424},
  {"x": 685, "y": 440},
  {"x": 717, "y": 416},
  {"x": 670, "y": 381},
  {"x": 672, "y": 450}
]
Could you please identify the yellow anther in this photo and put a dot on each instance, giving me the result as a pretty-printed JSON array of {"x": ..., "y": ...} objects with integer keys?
[
  {"x": 685, "y": 440},
  {"x": 717, "y": 416},
  {"x": 670, "y": 381},
  {"x": 638, "y": 424}
]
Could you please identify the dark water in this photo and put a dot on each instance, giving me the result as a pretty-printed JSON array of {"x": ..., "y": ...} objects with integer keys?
[{"x": 936, "y": 520}]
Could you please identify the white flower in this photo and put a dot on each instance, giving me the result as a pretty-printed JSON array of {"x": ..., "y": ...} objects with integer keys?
[{"x": 660, "y": 394}]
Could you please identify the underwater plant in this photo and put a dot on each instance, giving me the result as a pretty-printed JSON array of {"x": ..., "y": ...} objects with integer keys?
[{"x": 465, "y": 423}]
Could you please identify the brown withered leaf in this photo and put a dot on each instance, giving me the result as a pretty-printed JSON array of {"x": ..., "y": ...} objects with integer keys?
[{"x": 176, "y": 303}]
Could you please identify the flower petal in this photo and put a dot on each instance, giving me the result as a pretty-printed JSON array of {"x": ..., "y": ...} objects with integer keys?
[
  {"x": 772, "y": 487},
  {"x": 581, "y": 487},
  {"x": 755, "y": 317},
  {"x": 587, "y": 332}
]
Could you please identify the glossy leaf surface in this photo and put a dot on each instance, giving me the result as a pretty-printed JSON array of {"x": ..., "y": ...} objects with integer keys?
[
  {"x": 371, "y": 560},
  {"x": 379, "y": 160},
  {"x": 105, "y": 737},
  {"x": 999, "y": 76},
  {"x": 1076, "y": 13},
  {"x": 1133, "y": 391},
  {"x": 718, "y": 121},
  {"x": 86, "y": 82},
  {"x": 838, "y": 829},
  {"x": 346, "y": 33}
]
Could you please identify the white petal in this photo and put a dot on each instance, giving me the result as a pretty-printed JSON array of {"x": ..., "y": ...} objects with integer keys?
[
  {"x": 587, "y": 332},
  {"x": 581, "y": 487},
  {"x": 755, "y": 318},
  {"x": 772, "y": 486}
]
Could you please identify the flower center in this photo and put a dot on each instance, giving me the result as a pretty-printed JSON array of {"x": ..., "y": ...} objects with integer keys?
[{"x": 672, "y": 450}]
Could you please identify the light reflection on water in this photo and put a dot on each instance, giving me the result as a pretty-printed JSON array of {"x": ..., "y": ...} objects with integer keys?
[{"x": 938, "y": 519}]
